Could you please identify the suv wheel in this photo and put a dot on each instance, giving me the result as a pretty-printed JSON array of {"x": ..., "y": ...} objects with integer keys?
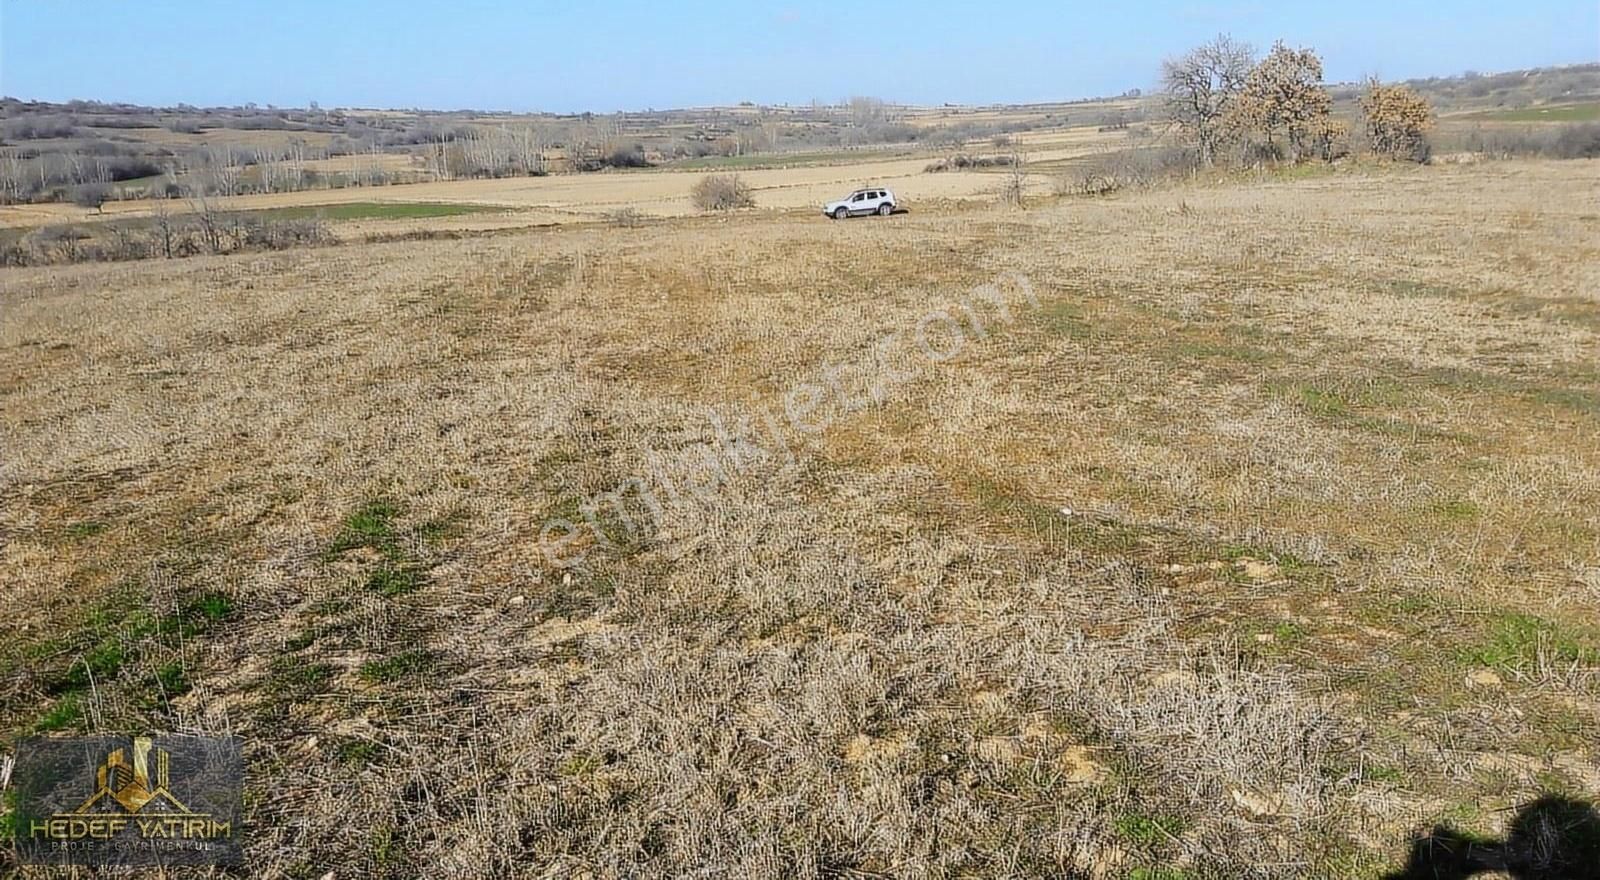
[
  {"x": 841, "y": 212},
  {"x": 885, "y": 209}
]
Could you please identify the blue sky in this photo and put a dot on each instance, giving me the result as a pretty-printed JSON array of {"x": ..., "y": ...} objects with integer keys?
[{"x": 607, "y": 55}]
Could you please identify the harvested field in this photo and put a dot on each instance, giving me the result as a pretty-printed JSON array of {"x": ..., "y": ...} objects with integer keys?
[{"x": 1241, "y": 529}]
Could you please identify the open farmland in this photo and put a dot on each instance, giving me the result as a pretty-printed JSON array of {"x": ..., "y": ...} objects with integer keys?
[
  {"x": 1240, "y": 528},
  {"x": 653, "y": 193}
]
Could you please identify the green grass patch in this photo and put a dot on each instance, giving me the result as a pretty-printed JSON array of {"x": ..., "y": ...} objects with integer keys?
[
  {"x": 1455, "y": 510},
  {"x": 1242, "y": 353},
  {"x": 1148, "y": 830},
  {"x": 300, "y": 641},
  {"x": 1515, "y": 641},
  {"x": 383, "y": 847},
  {"x": 173, "y": 680},
  {"x": 1018, "y": 512},
  {"x": 1546, "y": 113},
  {"x": 1344, "y": 398},
  {"x": 116, "y": 635},
  {"x": 1287, "y": 562},
  {"x": 1063, "y": 318},
  {"x": 1323, "y": 402},
  {"x": 333, "y": 606},
  {"x": 1576, "y": 399},
  {"x": 207, "y": 609},
  {"x": 66, "y": 713},
  {"x": 293, "y": 678},
  {"x": 1287, "y": 632},
  {"x": 1382, "y": 773},
  {"x": 393, "y": 581},
  {"x": 98, "y": 665},
  {"x": 404, "y": 665},
  {"x": 357, "y": 752},
  {"x": 1562, "y": 396},
  {"x": 446, "y": 528},
  {"x": 371, "y": 525},
  {"x": 1304, "y": 170},
  {"x": 86, "y": 529}
]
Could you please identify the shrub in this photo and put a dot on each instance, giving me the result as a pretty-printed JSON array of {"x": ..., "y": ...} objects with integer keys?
[
  {"x": 1140, "y": 167},
  {"x": 132, "y": 168},
  {"x": 1578, "y": 142},
  {"x": 1398, "y": 120},
  {"x": 628, "y": 217},
  {"x": 91, "y": 195},
  {"x": 1284, "y": 94},
  {"x": 206, "y": 231},
  {"x": 40, "y": 127},
  {"x": 277, "y": 235},
  {"x": 962, "y": 161},
  {"x": 627, "y": 157},
  {"x": 722, "y": 192}
]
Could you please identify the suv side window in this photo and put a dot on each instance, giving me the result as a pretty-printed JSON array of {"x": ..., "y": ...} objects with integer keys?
[{"x": 858, "y": 197}]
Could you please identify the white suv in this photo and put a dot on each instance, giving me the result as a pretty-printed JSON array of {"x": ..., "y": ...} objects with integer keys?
[{"x": 862, "y": 201}]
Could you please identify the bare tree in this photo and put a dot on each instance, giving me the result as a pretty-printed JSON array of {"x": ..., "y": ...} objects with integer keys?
[
  {"x": 12, "y": 171},
  {"x": 527, "y": 149},
  {"x": 223, "y": 174},
  {"x": 1014, "y": 191},
  {"x": 209, "y": 222},
  {"x": 285, "y": 170},
  {"x": 163, "y": 223},
  {"x": 373, "y": 173},
  {"x": 1201, "y": 88},
  {"x": 865, "y": 111},
  {"x": 439, "y": 156},
  {"x": 487, "y": 153}
]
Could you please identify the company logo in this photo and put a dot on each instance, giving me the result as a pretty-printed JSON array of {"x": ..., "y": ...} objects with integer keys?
[{"x": 134, "y": 812}]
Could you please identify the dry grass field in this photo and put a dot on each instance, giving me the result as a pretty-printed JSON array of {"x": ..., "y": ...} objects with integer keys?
[{"x": 1239, "y": 529}]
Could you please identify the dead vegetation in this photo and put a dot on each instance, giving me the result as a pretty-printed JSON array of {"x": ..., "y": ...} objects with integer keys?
[
  {"x": 721, "y": 192},
  {"x": 1265, "y": 540},
  {"x": 165, "y": 235},
  {"x": 963, "y": 161}
]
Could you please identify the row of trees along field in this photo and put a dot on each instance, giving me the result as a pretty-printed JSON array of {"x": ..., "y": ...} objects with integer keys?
[{"x": 1230, "y": 108}]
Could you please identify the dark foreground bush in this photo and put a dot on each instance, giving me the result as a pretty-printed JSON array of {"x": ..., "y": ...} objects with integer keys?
[
  {"x": 90, "y": 195},
  {"x": 179, "y": 236},
  {"x": 627, "y": 158},
  {"x": 722, "y": 192}
]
